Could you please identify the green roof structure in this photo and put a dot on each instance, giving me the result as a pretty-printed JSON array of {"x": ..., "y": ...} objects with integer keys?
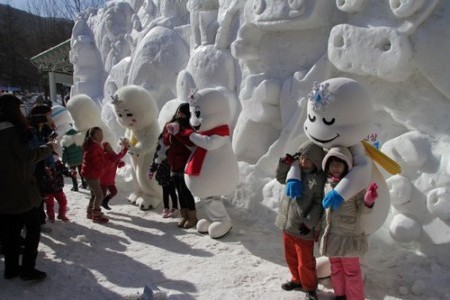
[{"x": 55, "y": 59}]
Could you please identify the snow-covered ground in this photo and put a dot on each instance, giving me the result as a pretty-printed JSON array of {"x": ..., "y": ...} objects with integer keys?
[{"x": 137, "y": 249}]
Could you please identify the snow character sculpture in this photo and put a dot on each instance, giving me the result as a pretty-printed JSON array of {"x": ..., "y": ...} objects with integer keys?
[
  {"x": 86, "y": 114},
  {"x": 212, "y": 170},
  {"x": 339, "y": 113},
  {"x": 136, "y": 111}
]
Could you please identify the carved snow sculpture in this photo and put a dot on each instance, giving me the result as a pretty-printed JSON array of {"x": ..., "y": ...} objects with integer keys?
[
  {"x": 405, "y": 228},
  {"x": 278, "y": 49},
  {"x": 86, "y": 114},
  {"x": 88, "y": 74}
]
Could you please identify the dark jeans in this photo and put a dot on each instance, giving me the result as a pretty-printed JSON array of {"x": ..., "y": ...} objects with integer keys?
[
  {"x": 184, "y": 194},
  {"x": 109, "y": 191},
  {"x": 11, "y": 226},
  {"x": 169, "y": 191}
]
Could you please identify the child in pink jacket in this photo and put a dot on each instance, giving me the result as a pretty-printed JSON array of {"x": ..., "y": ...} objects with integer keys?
[
  {"x": 342, "y": 238},
  {"x": 107, "y": 181}
]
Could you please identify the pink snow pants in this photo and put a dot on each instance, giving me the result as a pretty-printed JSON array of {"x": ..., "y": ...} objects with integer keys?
[
  {"x": 346, "y": 277},
  {"x": 300, "y": 259}
]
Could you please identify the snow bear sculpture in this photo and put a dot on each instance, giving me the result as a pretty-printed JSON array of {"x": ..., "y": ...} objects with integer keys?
[
  {"x": 86, "y": 114},
  {"x": 137, "y": 112},
  {"x": 212, "y": 170}
]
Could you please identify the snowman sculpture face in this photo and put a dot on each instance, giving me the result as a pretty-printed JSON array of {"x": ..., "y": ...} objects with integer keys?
[{"x": 339, "y": 112}]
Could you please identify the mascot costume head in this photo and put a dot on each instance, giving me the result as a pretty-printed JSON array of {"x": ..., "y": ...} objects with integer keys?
[{"x": 339, "y": 112}]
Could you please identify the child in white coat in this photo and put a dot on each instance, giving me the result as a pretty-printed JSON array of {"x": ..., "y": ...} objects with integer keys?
[{"x": 342, "y": 238}]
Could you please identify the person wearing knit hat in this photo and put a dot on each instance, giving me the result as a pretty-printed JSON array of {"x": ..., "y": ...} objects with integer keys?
[
  {"x": 72, "y": 155},
  {"x": 342, "y": 238},
  {"x": 299, "y": 214}
]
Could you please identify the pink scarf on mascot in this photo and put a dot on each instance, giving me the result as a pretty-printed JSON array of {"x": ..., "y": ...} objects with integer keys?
[{"x": 195, "y": 162}]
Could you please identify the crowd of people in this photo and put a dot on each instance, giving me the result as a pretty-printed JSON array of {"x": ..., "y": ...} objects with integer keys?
[{"x": 35, "y": 179}]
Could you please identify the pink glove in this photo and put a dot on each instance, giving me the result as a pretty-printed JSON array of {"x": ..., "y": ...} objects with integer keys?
[
  {"x": 371, "y": 195},
  {"x": 150, "y": 175},
  {"x": 173, "y": 128}
]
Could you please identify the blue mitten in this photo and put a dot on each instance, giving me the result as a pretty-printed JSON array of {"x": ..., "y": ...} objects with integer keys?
[
  {"x": 294, "y": 188},
  {"x": 332, "y": 199}
]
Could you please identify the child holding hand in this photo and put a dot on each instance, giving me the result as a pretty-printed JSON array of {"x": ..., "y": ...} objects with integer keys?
[
  {"x": 113, "y": 161},
  {"x": 299, "y": 212},
  {"x": 341, "y": 237},
  {"x": 92, "y": 170}
]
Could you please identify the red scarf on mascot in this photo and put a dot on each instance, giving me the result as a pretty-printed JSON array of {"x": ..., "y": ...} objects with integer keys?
[{"x": 195, "y": 162}]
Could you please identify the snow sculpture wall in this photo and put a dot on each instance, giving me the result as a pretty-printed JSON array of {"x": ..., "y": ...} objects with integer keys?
[{"x": 267, "y": 54}]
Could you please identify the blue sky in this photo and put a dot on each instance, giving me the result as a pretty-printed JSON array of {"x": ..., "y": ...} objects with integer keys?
[{"x": 20, "y": 4}]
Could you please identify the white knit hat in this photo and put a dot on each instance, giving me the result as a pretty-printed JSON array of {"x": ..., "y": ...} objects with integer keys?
[{"x": 339, "y": 152}]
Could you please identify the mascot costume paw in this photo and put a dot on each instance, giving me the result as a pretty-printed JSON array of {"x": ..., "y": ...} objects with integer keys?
[
  {"x": 212, "y": 170},
  {"x": 137, "y": 112}
]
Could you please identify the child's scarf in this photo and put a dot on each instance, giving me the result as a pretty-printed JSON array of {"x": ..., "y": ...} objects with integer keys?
[{"x": 195, "y": 162}]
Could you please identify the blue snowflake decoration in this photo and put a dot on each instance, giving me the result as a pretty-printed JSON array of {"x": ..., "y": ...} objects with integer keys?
[{"x": 320, "y": 96}]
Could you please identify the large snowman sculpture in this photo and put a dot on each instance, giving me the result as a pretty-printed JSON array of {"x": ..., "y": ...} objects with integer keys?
[
  {"x": 137, "y": 112},
  {"x": 339, "y": 113},
  {"x": 212, "y": 170}
]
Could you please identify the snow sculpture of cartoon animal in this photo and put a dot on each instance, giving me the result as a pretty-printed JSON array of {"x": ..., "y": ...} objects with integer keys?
[
  {"x": 137, "y": 112},
  {"x": 86, "y": 114},
  {"x": 212, "y": 170},
  {"x": 339, "y": 113}
]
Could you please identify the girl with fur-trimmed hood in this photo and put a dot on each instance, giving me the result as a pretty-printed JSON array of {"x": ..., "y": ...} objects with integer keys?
[{"x": 342, "y": 238}]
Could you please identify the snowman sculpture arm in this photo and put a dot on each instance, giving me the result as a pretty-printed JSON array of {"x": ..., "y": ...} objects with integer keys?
[
  {"x": 208, "y": 142},
  {"x": 355, "y": 181}
]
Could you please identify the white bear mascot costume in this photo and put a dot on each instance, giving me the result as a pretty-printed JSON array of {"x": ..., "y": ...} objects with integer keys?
[
  {"x": 212, "y": 169},
  {"x": 137, "y": 112}
]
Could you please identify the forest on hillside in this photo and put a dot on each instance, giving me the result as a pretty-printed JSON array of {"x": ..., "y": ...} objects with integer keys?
[{"x": 22, "y": 36}]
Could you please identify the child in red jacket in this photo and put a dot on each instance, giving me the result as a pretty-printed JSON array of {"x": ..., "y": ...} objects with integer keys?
[
  {"x": 107, "y": 181},
  {"x": 53, "y": 189},
  {"x": 92, "y": 170}
]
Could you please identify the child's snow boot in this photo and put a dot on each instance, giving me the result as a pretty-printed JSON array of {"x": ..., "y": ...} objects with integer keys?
[
  {"x": 99, "y": 217},
  {"x": 105, "y": 203},
  {"x": 311, "y": 295},
  {"x": 165, "y": 213},
  {"x": 74, "y": 183},
  {"x": 62, "y": 215},
  {"x": 89, "y": 211}
]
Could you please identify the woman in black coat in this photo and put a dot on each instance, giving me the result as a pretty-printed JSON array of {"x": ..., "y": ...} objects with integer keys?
[{"x": 19, "y": 204}]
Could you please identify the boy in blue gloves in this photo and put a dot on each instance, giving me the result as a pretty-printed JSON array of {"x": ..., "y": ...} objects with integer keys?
[{"x": 299, "y": 212}]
